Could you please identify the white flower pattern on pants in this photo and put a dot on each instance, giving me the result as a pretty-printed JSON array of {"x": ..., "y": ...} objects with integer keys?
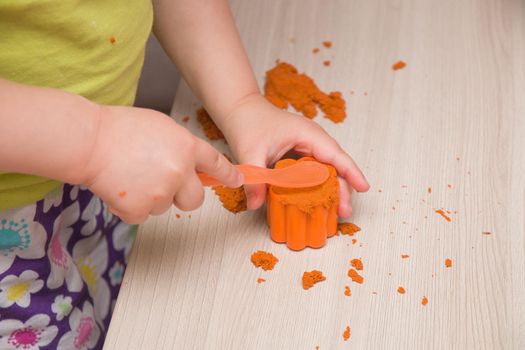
[
  {"x": 84, "y": 331},
  {"x": 123, "y": 237},
  {"x": 62, "y": 306},
  {"x": 20, "y": 236},
  {"x": 62, "y": 267},
  {"x": 18, "y": 290},
  {"x": 61, "y": 264},
  {"x": 29, "y": 335},
  {"x": 91, "y": 258}
]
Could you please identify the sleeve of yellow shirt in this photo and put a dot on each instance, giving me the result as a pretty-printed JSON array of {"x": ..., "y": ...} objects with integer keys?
[{"x": 94, "y": 48}]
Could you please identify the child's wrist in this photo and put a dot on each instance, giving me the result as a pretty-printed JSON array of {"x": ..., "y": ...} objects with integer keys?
[
  {"x": 254, "y": 98},
  {"x": 80, "y": 170}
]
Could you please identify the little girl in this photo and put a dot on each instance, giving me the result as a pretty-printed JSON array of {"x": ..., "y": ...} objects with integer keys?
[{"x": 78, "y": 164}]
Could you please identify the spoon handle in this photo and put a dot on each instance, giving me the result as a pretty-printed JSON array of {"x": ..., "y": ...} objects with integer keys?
[{"x": 252, "y": 175}]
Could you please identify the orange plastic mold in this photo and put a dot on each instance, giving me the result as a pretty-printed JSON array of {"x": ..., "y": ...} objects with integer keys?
[{"x": 303, "y": 217}]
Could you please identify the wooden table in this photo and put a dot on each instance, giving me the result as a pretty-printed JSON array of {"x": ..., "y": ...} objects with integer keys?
[{"x": 454, "y": 116}]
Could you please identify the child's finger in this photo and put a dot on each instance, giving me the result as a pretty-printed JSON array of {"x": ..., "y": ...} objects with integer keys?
[
  {"x": 345, "y": 198},
  {"x": 161, "y": 206},
  {"x": 190, "y": 194},
  {"x": 255, "y": 194},
  {"x": 131, "y": 219},
  {"x": 328, "y": 151},
  {"x": 210, "y": 161}
]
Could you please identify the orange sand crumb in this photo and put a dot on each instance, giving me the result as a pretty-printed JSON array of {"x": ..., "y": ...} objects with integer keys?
[
  {"x": 233, "y": 199},
  {"x": 424, "y": 301},
  {"x": 354, "y": 241},
  {"x": 177, "y": 216},
  {"x": 346, "y": 333},
  {"x": 429, "y": 190},
  {"x": 348, "y": 292},
  {"x": 210, "y": 129},
  {"x": 112, "y": 40},
  {"x": 401, "y": 290},
  {"x": 315, "y": 50},
  {"x": 355, "y": 276},
  {"x": 327, "y": 44},
  {"x": 327, "y": 63},
  {"x": 185, "y": 118},
  {"x": 260, "y": 280},
  {"x": 122, "y": 194},
  {"x": 357, "y": 263},
  {"x": 404, "y": 256},
  {"x": 348, "y": 228},
  {"x": 311, "y": 278},
  {"x": 285, "y": 85},
  {"x": 443, "y": 214},
  {"x": 448, "y": 262},
  {"x": 399, "y": 65},
  {"x": 264, "y": 260}
]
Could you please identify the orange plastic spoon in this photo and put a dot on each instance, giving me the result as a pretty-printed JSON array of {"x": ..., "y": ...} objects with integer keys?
[{"x": 301, "y": 174}]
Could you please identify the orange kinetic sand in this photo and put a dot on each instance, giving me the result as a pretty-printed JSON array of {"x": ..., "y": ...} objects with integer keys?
[
  {"x": 233, "y": 199},
  {"x": 260, "y": 280},
  {"x": 355, "y": 276},
  {"x": 303, "y": 217},
  {"x": 357, "y": 263},
  {"x": 443, "y": 214},
  {"x": 327, "y": 63},
  {"x": 448, "y": 262},
  {"x": 348, "y": 292},
  {"x": 401, "y": 290},
  {"x": 285, "y": 85},
  {"x": 424, "y": 301},
  {"x": 348, "y": 228},
  {"x": 311, "y": 278},
  {"x": 399, "y": 65},
  {"x": 346, "y": 333},
  {"x": 327, "y": 44},
  {"x": 210, "y": 129},
  {"x": 264, "y": 260}
]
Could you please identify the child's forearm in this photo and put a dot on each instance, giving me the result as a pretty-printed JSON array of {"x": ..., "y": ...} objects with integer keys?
[
  {"x": 201, "y": 38},
  {"x": 45, "y": 132}
]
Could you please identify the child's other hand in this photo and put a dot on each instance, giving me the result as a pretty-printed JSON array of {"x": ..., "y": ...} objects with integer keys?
[
  {"x": 143, "y": 162},
  {"x": 261, "y": 134}
]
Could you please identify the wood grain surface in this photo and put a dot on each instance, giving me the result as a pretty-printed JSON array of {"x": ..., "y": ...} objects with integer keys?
[{"x": 454, "y": 116}]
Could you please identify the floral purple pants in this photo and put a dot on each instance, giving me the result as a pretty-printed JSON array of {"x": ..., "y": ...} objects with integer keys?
[{"x": 61, "y": 264}]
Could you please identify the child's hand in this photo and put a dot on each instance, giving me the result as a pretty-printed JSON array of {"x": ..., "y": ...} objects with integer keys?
[
  {"x": 143, "y": 162},
  {"x": 261, "y": 134}
]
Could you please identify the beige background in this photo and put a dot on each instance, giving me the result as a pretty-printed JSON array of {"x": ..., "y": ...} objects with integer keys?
[{"x": 190, "y": 283}]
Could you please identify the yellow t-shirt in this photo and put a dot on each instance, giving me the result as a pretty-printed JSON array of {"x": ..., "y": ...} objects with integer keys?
[{"x": 94, "y": 48}]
